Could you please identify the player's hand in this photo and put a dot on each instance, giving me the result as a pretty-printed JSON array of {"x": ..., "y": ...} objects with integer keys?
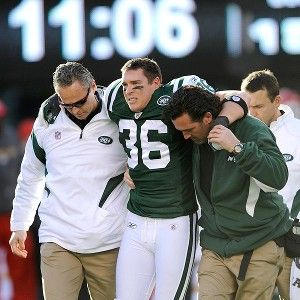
[
  {"x": 17, "y": 243},
  {"x": 223, "y": 136},
  {"x": 128, "y": 179}
]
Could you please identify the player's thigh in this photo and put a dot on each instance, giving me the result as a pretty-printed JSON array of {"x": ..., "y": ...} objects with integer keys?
[
  {"x": 176, "y": 244},
  {"x": 61, "y": 272},
  {"x": 283, "y": 279},
  {"x": 135, "y": 263},
  {"x": 100, "y": 273},
  {"x": 216, "y": 281},
  {"x": 194, "y": 286}
]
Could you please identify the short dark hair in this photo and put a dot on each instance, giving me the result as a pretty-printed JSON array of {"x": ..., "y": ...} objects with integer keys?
[
  {"x": 194, "y": 101},
  {"x": 261, "y": 80},
  {"x": 150, "y": 67},
  {"x": 67, "y": 73}
]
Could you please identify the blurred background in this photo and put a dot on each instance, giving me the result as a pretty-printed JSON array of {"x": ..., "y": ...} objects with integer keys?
[{"x": 221, "y": 41}]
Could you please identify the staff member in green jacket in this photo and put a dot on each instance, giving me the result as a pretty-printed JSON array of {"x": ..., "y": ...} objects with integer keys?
[{"x": 242, "y": 213}]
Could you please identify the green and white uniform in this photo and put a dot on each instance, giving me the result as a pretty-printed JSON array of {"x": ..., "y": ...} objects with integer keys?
[
  {"x": 159, "y": 161},
  {"x": 159, "y": 158}
]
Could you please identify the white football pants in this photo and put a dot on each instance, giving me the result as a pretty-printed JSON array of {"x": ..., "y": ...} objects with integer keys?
[{"x": 156, "y": 252}]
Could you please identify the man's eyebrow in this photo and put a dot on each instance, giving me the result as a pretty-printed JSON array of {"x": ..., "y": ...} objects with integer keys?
[
  {"x": 132, "y": 81},
  {"x": 188, "y": 129}
]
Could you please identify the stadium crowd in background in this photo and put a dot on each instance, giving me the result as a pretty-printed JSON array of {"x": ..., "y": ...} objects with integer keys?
[{"x": 18, "y": 278}]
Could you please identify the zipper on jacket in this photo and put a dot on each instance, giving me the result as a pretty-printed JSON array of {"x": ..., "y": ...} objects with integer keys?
[
  {"x": 211, "y": 185},
  {"x": 81, "y": 133}
]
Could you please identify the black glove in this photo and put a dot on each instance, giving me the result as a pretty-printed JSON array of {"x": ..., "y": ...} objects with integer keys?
[{"x": 220, "y": 120}]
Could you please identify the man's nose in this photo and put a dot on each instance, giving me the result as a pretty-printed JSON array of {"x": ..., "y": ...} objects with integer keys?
[
  {"x": 186, "y": 135},
  {"x": 253, "y": 112},
  {"x": 128, "y": 90}
]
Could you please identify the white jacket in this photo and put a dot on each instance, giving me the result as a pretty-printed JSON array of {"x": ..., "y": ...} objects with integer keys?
[
  {"x": 81, "y": 167},
  {"x": 287, "y": 132}
]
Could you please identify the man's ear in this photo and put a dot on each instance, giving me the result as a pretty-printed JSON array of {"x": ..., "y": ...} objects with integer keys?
[
  {"x": 94, "y": 86},
  {"x": 277, "y": 100},
  {"x": 157, "y": 81},
  {"x": 207, "y": 118}
]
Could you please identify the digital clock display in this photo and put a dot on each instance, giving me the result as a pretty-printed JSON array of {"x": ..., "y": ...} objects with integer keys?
[{"x": 218, "y": 40}]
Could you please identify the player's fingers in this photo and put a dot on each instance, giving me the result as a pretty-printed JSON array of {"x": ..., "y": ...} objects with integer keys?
[
  {"x": 22, "y": 245},
  {"x": 21, "y": 253},
  {"x": 15, "y": 249},
  {"x": 128, "y": 180}
]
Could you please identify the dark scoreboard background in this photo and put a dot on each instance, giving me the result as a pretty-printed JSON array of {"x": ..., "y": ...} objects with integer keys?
[{"x": 218, "y": 40}]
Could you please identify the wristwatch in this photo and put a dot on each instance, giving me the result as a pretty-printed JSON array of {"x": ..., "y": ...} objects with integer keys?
[{"x": 238, "y": 148}]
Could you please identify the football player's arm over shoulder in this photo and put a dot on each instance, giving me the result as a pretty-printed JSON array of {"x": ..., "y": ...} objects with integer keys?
[{"x": 234, "y": 104}]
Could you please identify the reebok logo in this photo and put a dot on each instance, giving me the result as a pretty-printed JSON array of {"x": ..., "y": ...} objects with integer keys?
[{"x": 132, "y": 225}]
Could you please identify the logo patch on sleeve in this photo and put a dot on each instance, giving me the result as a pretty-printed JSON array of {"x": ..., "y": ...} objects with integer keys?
[
  {"x": 106, "y": 140},
  {"x": 163, "y": 100},
  {"x": 288, "y": 157}
]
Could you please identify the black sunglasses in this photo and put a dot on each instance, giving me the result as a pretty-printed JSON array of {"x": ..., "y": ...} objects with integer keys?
[{"x": 77, "y": 104}]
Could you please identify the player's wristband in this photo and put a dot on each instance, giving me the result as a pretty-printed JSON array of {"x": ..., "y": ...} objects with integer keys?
[
  {"x": 238, "y": 100},
  {"x": 220, "y": 120}
]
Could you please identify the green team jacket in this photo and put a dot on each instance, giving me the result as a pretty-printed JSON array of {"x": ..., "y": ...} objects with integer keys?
[{"x": 244, "y": 210}]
